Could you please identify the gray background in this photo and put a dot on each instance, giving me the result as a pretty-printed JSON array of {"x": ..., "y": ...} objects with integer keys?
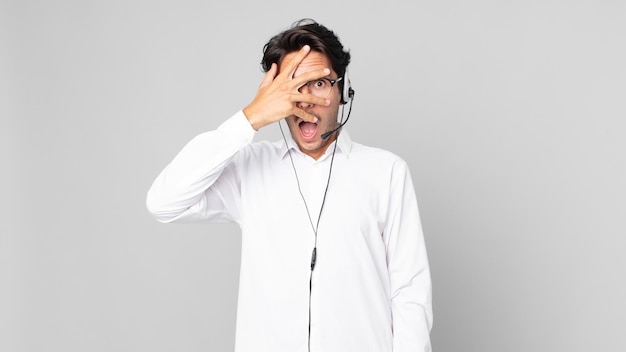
[{"x": 510, "y": 114}]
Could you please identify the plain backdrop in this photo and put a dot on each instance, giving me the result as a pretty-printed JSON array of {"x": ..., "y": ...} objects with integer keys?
[{"x": 511, "y": 115}]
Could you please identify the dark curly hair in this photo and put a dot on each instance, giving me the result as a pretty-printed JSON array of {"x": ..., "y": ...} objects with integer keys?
[{"x": 307, "y": 32}]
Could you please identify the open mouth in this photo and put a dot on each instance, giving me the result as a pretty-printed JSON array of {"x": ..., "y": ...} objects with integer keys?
[{"x": 308, "y": 130}]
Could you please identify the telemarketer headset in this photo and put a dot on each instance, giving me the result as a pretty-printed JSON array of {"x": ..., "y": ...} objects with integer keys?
[{"x": 346, "y": 92}]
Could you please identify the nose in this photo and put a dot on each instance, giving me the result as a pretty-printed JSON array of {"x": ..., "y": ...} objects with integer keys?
[{"x": 303, "y": 105}]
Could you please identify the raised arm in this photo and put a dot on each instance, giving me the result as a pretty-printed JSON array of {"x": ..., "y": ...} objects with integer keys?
[
  {"x": 182, "y": 189},
  {"x": 186, "y": 189}
]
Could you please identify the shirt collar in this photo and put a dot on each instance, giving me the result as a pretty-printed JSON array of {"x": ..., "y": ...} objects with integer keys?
[{"x": 344, "y": 144}]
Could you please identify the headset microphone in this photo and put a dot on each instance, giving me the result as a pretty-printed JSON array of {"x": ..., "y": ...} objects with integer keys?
[{"x": 351, "y": 98}]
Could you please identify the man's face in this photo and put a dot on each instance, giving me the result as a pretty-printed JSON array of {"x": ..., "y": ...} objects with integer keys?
[{"x": 307, "y": 135}]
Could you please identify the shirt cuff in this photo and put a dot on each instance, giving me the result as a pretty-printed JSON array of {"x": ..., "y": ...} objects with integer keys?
[{"x": 238, "y": 128}]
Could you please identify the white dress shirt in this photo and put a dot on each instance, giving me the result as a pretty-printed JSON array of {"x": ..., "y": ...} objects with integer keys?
[{"x": 371, "y": 287}]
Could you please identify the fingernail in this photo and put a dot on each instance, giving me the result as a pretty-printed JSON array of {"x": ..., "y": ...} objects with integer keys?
[
  {"x": 327, "y": 102},
  {"x": 306, "y": 48},
  {"x": 326, "y": 71}
]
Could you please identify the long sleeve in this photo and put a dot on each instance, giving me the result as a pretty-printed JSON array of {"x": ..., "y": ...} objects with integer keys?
[
  {"x": 407, "y": 262},
  {"x": 190, "y": 187}
]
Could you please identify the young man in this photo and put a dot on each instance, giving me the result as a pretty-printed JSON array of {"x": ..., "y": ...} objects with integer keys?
[{"x": 333, "y": 255}]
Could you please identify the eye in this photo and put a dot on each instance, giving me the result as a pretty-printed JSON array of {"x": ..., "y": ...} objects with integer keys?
[{"x": 319, "y": 84}]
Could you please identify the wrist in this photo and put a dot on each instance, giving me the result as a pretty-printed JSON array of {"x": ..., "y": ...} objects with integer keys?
[{"x": 252, "y": 117}]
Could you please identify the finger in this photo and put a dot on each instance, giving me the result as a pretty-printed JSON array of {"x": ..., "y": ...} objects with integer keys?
[
  {"x": 309, "y": 99},
  {"x": 295, "y": 61},
  {"x": 310, "y": 76},
  {"x": 304, "y": 115}
]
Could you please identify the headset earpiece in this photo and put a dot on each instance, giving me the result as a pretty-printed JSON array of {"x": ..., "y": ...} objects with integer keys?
[{"x": 348, "y": 93}]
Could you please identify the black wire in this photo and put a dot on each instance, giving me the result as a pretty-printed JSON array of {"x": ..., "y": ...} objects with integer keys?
[{"x": 316, "y": 227}]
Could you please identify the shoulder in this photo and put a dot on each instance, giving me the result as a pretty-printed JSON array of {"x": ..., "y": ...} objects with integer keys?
[
  {"x": 376, "y": 156},
  {"x": 377, "y": 166}
]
